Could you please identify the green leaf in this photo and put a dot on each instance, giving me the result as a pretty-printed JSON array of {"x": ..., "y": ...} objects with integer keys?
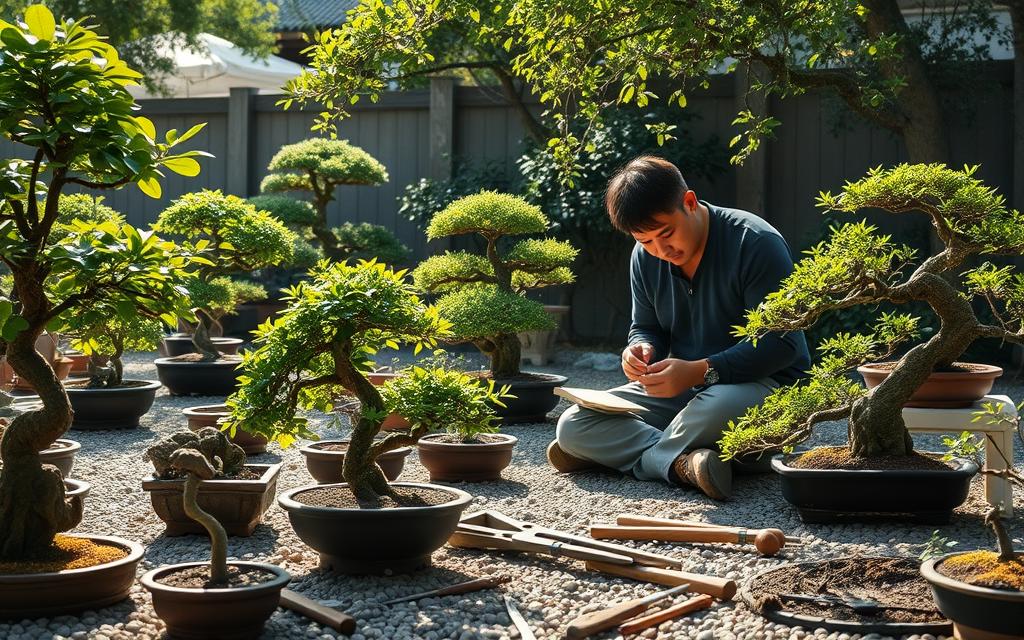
[
  {"x": 146, "y": 126},
  {"x": 150, "y": 187},
  {"x": 13, "y": 326},
  {"x": 40, "y": 22},
  {"x": 475, "y": 14},
  {"x": 183, "y": 166},
  {"x": 191, "y": 132}
]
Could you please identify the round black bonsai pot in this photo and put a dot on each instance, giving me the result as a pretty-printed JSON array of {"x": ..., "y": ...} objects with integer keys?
[
  {"x": 36, "y": 595},
  {"x": 375, "y": 541},
  {"x": 183, "y": 378},
  {"x": 978, "y": 613},
  {"x": 114, "y": 408},
  {"x": 468, "y": 462},
  {"x": 180, "y": 344},
  {"x": 226, "y": 613},
  {"x": 534, "y": 397},
  {"x": 836, "y": 495}
]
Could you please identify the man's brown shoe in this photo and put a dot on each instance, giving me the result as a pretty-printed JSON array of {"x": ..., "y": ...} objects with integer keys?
[
  {"x": 705, "y": 470},
  {"x": 564, "y": 462}
]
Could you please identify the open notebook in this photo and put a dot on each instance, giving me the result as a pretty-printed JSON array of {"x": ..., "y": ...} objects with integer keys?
[{"x": 598, "y": 400}]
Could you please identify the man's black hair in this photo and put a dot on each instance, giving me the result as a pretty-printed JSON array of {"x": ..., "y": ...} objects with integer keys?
[{"x": 645, "y": 187}]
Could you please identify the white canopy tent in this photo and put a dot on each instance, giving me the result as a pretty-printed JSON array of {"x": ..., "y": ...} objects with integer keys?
[{"x": 217, "y": 67}]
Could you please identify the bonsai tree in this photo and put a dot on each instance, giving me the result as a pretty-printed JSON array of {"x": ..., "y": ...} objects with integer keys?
[
  {"x": 316, "y": 167},
  {"x": 239, "y": 239},
  {"x": 104, "y": 336},
  {"x": 63, "y": 96},
  {"x": 323, "y": 343},
  {"x": 482, "y": 296},
  {"x": 858, "y": 266},
  {"x": 200, "y": 456}
]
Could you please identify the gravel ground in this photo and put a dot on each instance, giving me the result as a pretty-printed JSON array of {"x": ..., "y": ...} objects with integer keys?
[{"x": 550, "y": 592}]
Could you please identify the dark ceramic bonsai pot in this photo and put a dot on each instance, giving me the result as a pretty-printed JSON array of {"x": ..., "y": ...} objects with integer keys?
[
  {"x": 114, "y": 408},
  {"x": 942, "y": 389},
  {"x": 837, "y": 495},
  {"x": 230, "y": 613},
  {"x": 325, "y": 466},
  {"x": 978, "y": 613},
  {"x": 457, "y": 461},
  {"x": 180, "y": 344},
  {"x": 533, "y": 398},
  {"x": 207, "y": 415},
  {"x": 238, "y": 505},
  {"x": 375, "y": 541},
  {"x": 38, "y": 595},
  {"x": 217, "y": 378}
]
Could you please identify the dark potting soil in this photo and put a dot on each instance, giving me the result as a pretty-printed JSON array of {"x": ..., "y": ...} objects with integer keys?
[
  {"x": 199, "y": 578},
  {"x": 481, "y": 438},
  {"x": 892, "y": 582},
  {"x": 521, "y": 377},
  {"x": 342, "y": 498},
  {"x": 956, "y": 367},
  {"x": 340, "y": 447},
  {"x": 245, "y": 474},
  {"x": 984, "y": 569},
  {"x": 841, "y": 458},
  {"x": 198, "y": 357},
  {"x": 83, "y": 383}
]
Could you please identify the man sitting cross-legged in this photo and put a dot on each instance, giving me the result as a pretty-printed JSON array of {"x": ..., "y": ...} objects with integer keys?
[{"x": 695, "y": 270}]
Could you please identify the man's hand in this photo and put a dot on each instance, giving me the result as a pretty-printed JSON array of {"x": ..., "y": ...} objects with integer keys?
[
  {"x": 672, "y": 376},
  {"x": 635, "y": 358}
]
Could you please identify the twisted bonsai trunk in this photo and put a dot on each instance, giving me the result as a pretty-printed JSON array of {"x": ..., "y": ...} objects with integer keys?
[
  {"x": 218, "y": 537},
  {"x": 504, "y": 352},
  {"x": 201, "y": 336},
  {"x": 364, "y": 477}
]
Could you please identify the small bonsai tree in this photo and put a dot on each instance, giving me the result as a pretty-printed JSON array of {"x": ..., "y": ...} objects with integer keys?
[
  {"x": 196, "y": 457},
  {"x": 483, "y": 295},
  {"x": 317, "y": 167},
  {"x": 857, "y": 266},
  {"x": 63, "y": 96},
  {"x": 238, "y": 239},
  {"x": 322, "y": 344}
]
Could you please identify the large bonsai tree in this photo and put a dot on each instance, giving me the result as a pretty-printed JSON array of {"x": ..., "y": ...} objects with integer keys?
[
  {"x": 238, "y": 238},
  {"x": 857, "y": 266},
  {"x": 318, "y": 166},
  {"x": 483, "y": 295},
  {"x": 63, "y": 96},
  {"x": 322, "y": 344}
]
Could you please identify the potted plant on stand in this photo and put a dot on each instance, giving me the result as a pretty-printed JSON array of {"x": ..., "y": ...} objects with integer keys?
[
  {"x": 216, "y": 599},
  {"x": 63, "y": 96},
  {"x": 879, "y": 471},
  {"x": 483, "y": 295},
  {"x": 322, "y": 343},
  {"x": 239, "y": 238}
]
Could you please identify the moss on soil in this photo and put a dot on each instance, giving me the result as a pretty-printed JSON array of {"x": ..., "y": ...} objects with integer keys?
[
  {"x": 841, "y": 458},
  {"x": 984, "y": 569},
  {"x": 64, "y": 554}
]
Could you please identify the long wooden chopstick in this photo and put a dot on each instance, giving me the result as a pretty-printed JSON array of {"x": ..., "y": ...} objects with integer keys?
[{"x": 640, "y": 623}]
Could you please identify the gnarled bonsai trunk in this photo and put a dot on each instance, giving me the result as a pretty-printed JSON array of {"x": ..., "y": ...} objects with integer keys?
[
  {"x": 361, "y": 472},
  {"x": 33, "y": 505},
  {"x": 201, "y": 336},
  {"x": 218, "y": 537},
  {"x": 504, "y": 352}
]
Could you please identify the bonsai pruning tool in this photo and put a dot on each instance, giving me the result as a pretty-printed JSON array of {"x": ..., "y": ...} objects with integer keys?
[{"x": 518, "y": 620}]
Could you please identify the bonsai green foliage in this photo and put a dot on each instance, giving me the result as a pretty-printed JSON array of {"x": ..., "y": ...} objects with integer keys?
[
  {"x": 63, "y": 96},
  {"x": 196, "y": 457},
  {"x": 239, "y": 239},
  {"x": 322, "y": 344},
  {"x": 103, "y": 336},
  {"x": 858, "y": 267},
  {"x": 317, "y": 167},
  {"x": 435, "y": 398},
  {"x": 483, "y": 294}
]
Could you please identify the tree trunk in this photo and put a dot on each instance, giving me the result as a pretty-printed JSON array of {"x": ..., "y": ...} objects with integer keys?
[
  {"x": 504, "y": 352},
  {"x": 362, "y": 473},
  {"x": 322, "y": 232},
  {"x": 201, "y": 337},
  {"x": 33, "y": 505},
  {"x": 218, "y": 537}
]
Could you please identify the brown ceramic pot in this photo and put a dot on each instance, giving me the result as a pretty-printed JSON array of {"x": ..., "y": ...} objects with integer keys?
[
  {"x": 61, "y": 366},
  {"x": 231, "y": 613},
  {"x": 61, "y": 454},
  {"x": 38, "y": 595},
  {"x": 325, "y": 466},
  {"x": 393, "y": 422},
  {"x": 942, "y": 389},
  {"x": 207, "y": 415},
  {"x": 79, "y": 363},
  {"x": 456, "y": 461},
  {"x": 238, "y": 505}
]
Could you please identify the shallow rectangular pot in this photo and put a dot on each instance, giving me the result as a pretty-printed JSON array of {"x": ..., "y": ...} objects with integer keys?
[{"x": 238, "y": 505}]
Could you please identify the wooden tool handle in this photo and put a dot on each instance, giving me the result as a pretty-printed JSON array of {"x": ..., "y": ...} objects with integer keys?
[
  {"x": 693, "y": 604},
  {"x": 720, "y": 588},
  {"x": 593, "y": 623},
  {"x": 634, "y": 520},
  {"x": 341, "y": 622},
  {"x": 668, "y": 534}
]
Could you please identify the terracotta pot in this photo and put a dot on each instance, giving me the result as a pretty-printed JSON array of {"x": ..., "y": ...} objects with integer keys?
[
  {"x": 325, "y": 466},
  {"x": 37, "y": 595},
  {"x": 455, "y": 461},
  {"x": 79, "y": 363},
  {"x": 61, "y": 367},
  {"x": 533, "y": 398},
  {"x": 207, "y": 415},
  {"x": 179, "y": 344},
  {"x": 230, "y": 613},
  {"x": 978, "y": 613},
  {"x": 360, "y": 541},
  {"x": 238, "y": 505},
  {"x": 393, "y": 422},
  {"x": 942, "y": 390},
  {"x": 114, "y": 408},
  {"x": 217, "y": 378}
]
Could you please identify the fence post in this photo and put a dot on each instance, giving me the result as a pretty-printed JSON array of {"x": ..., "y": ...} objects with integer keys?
[
  {"x": 239, "y": 158},
  {"x": 752, "y": 175},
  {"x": 442, "y": 118}
]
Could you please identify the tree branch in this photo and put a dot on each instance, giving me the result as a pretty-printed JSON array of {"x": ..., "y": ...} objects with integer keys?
[{"x": 100, "y": 185}]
